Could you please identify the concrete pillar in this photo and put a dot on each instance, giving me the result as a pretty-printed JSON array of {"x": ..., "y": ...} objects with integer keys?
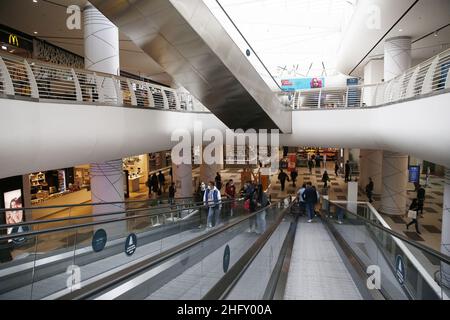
[
  {"x": 397, "y": 56},
  {"x": 26, "y": 197},
  {"x": 101, "y": 54},
  {"x": 445, "y": 236},
  {"x": 395, "y": 180},
  {"x": 373, "y": 73},
  {"x": 101, "y": 42},
  {"x": 371, "y": 162},
  {"x": 397, "y": 59},
  {"x": 208, "y": 171},
  {"x": 107, "y": 185},
  {"x": 182, "y": 177}
]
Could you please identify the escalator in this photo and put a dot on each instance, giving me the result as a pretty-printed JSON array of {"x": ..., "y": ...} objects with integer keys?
[
  {"x": 267, "y": 255},
  {"x": 40, "y": 265}
]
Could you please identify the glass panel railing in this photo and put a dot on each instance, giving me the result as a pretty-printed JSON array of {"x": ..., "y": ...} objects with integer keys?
[
  {"x": 402, "y": 268},
  {"x": 40, "y": 262},
  {"x": 191, "y": 272}
]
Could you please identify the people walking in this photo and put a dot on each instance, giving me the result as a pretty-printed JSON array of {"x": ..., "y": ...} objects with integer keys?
[
  {"x": 294, "y": 175},
  {"x": 282, "y": 177},
  {"x": 336, "y": 168},
  {"x": 420, "y": 199},
  {"x": 369, "y": 190},
  {"x": 413, "y": 213},
  {"x": 347, "y": 171},
  {"x": 310, "y": 198},
  {"x": 301, "y": 200},
  {"x": 250, "y": 196},
  {"x": 230, "y": 193},
  {"x": 212, "y": 201},
  {"x": 162, "y": 181},
  {"x": 427, "y": 177},
  {"x": 262, "y": 202},
  {"x": 172, "y": 192},
  {"x": 318, "y": 160},
  {"x": 155, "y": 184},
  {"x": 325, "y": 179},
  {"x": 310, "y": 165},
  {"x": 218, "y": 181}
]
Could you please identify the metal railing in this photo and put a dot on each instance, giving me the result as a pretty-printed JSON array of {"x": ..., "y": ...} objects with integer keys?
[
  {"x": 39, "y": 80},
  {"x": 420, "y": 281},
  {"x": 430, "y": 76}
]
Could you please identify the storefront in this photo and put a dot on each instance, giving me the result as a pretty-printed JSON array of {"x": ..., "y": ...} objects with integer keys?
[
  {"x": 15, "y": 42},
  {"x": 305, "y": 153}
]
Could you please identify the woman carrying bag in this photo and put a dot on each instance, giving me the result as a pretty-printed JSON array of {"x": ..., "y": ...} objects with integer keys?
[{"x": 413, "y": 214}]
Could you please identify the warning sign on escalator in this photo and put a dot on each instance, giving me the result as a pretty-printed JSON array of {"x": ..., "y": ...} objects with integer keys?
[
  {"x": 400, "y": 269},
  {"x": 130, "y": 244}
]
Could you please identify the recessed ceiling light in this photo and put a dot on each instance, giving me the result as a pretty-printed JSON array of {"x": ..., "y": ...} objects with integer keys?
[
  {"x": 35, "y": 32},
  {"x": 4, "y": 47},
  {"x": 35, "y": 1},
  {"x": 400, "y": 30},
  {"x": 435, "y": 34}
]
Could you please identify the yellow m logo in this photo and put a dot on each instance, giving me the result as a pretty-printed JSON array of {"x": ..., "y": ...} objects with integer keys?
[{"x": 13, "y": 40}]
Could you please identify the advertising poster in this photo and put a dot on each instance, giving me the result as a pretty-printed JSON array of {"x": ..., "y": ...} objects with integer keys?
[
  {"x": 13, "y": 200},
  {"x": 414, "y": 174},
  {"x": 302, "y": 83}
]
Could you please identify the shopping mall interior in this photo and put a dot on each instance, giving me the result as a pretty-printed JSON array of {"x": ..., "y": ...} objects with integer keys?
[{"x": 232, "y": 149}]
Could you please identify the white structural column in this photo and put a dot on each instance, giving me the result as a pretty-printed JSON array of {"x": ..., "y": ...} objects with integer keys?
[
  {"x": 101, "y": 42},
  {"x": 395, "y": 180},
  {"x": 208, "y": 171},
  {"x": 445, "y": 240},
  {"x": 370, "y": 163},
  {"x": 397, "y": 59},
  {"x": 182, "y": 177},
  {"x": 101, "y": 52}
]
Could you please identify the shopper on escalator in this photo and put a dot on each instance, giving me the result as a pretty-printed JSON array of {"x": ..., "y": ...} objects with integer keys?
[
  {"x": 262, "y": 201},
  {"x": 250, "y": 197},
  {"x": 310, "y": 198},
  {"x": 212, "y": 201},
  {"x": 230, "y": 192}
]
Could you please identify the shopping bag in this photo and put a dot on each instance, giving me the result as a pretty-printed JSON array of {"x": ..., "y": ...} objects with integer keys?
[
  {"x": 247, "y": 204},
  {"x": 412, "y": 214}
]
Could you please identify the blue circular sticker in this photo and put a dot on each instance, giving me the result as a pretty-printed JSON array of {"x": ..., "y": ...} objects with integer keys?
[
  {"x": 99, "y": 240},
  {"x": 226, "y": 258},
  {"x": 247, "y": 52},
  {"x": 400, "y": 269},
  {"x": 130, "y": 244}
]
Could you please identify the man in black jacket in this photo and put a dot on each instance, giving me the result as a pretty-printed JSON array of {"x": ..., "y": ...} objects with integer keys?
[
  {"x": 310, "y": 198},
  {"x": 282, "y": 176},
  {"x": 347, "y": 171},
  {"x": 420, "y": 199},
  {"x": 369, "y": 190}
]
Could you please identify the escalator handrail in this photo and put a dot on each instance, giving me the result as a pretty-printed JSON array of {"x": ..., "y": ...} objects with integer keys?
[
  {"x": 98, "y": 286},
  {"x": 89, "y": 224},
  {"x": 83, "y": 204},
  {"x": 442, "y": 257},
  {"x": 44, "y": 221},
  {"x": 224, "y": 286}
]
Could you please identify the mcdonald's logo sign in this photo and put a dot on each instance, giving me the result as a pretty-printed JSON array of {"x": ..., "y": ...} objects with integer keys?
[{"x": 13, "y": 40}]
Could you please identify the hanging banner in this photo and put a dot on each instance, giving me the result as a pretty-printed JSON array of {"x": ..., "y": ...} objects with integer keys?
[{"x": 302, "y": 83}]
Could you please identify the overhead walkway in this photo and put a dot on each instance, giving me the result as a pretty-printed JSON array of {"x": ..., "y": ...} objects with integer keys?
[
  {"x": 118, "y": 117},
  {"x": 283, "y": 257}
]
